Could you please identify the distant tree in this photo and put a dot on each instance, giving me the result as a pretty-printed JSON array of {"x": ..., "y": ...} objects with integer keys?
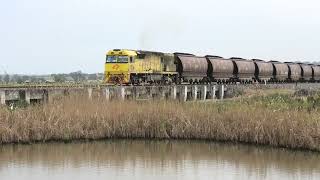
[
  {"x": 77, "y": 76},
  {"x": 41, "y": 80},
  {"x": 16, "y": 79},
  {"x": 58, "y": 78},
  {"x": 19, "y": 80},
  {"x": 6, "y": 78},
  {"x": 92, "y": 77},
  {"x": 25, "y": 78},
  {"x": 33, "y": 79}
]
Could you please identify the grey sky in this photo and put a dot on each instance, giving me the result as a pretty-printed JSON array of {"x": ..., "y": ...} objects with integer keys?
[{"x": 50, "y": 36}]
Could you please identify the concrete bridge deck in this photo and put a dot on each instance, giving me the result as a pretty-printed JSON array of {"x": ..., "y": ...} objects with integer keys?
[{"x": 45, "y": 93}]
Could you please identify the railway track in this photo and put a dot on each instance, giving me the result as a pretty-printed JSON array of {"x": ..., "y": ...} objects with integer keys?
[{"x": 97, "y": 86}]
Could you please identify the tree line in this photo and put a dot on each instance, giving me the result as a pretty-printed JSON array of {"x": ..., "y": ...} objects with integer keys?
[{"x": 73, "y": 77}]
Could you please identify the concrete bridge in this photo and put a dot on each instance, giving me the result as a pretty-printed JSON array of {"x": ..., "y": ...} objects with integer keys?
[
  {"x": 43, "y": 94},
  {"x": 30, "y": 95}
]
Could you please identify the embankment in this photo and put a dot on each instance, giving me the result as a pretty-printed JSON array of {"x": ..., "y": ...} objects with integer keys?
[{"x": 276, "y": 120}]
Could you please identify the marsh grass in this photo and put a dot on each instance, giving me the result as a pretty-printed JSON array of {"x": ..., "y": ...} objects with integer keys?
[{"x": 276, "y": 120}]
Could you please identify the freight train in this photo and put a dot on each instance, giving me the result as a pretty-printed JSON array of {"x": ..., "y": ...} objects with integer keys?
[{"x": 124, "y": 66}]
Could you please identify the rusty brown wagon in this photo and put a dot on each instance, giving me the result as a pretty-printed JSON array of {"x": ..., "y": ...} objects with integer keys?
[
  {"x": 281, "y": 71},
  {"x": 245, "y": 69},
  {"x": 295, "y": 71},
  {"x": 306, "y": 72},
  {"x": 263, "y": 70},
  {"x": 316, "y": 72},
  {"x": 220, "y": 69},
  {"x": 191, "y": 68}
]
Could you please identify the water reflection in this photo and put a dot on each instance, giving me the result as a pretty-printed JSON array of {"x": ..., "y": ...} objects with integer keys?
[{"x": 127, "y": 159}]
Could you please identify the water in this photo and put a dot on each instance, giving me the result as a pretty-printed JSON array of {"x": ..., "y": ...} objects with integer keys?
[{"x": 146, "y": 160}]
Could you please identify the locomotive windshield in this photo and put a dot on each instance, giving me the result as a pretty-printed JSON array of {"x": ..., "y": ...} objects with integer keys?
[
  {"x": 111, "y": 59},
  {"x": 122, "y": 59},
  {"x": 117, "y": 59}
]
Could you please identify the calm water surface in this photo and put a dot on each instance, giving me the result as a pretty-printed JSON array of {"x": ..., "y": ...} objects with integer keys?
[{"x": 146, "y": 160}]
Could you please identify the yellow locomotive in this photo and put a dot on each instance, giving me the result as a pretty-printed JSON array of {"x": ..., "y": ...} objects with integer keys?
[
  {"x": 134, "y": 67},
  {"x": 138, "y": 67}
]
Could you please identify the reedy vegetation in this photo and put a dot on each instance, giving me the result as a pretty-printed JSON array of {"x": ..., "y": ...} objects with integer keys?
[{"x": 276, "y": 120}]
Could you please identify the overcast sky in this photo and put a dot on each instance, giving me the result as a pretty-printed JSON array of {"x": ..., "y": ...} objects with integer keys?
[{"x": 52, "y": 36}]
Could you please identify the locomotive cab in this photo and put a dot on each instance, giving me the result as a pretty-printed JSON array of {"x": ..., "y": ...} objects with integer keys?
[
  {"x": 136, "y": 66},
  {"x": 117, "y": 66}
]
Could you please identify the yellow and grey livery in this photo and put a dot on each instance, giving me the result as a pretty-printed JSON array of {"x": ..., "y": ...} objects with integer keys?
[{"x": 134, "y": 66}]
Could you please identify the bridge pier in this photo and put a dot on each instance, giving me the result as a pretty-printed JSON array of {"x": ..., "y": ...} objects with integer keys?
[
  {"x": 136, "y": 92},
  {"x": 3, "y": 97},
  {"x": 221, "y": 92},
  {"x": 45, "y": 96},
  {"x": 90, "y": 93},
  {"x": 195, "y": 92},
  {"x": 213, "y": 92},
  {"x": 122, "y": 93},
  {"x": 174, "y": 92},
  {"x": 184, "y": 93},
  {"x": 204, "y": 93},
  {"x": 107, "y": 91},
  {"x": 163, "y": 93},
  {"x": 27, "y": 96},
  {"x": 151, "y": 92}
]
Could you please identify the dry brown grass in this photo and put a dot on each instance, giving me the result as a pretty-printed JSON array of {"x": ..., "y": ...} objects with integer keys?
[{"x": 74, "y": 118}]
